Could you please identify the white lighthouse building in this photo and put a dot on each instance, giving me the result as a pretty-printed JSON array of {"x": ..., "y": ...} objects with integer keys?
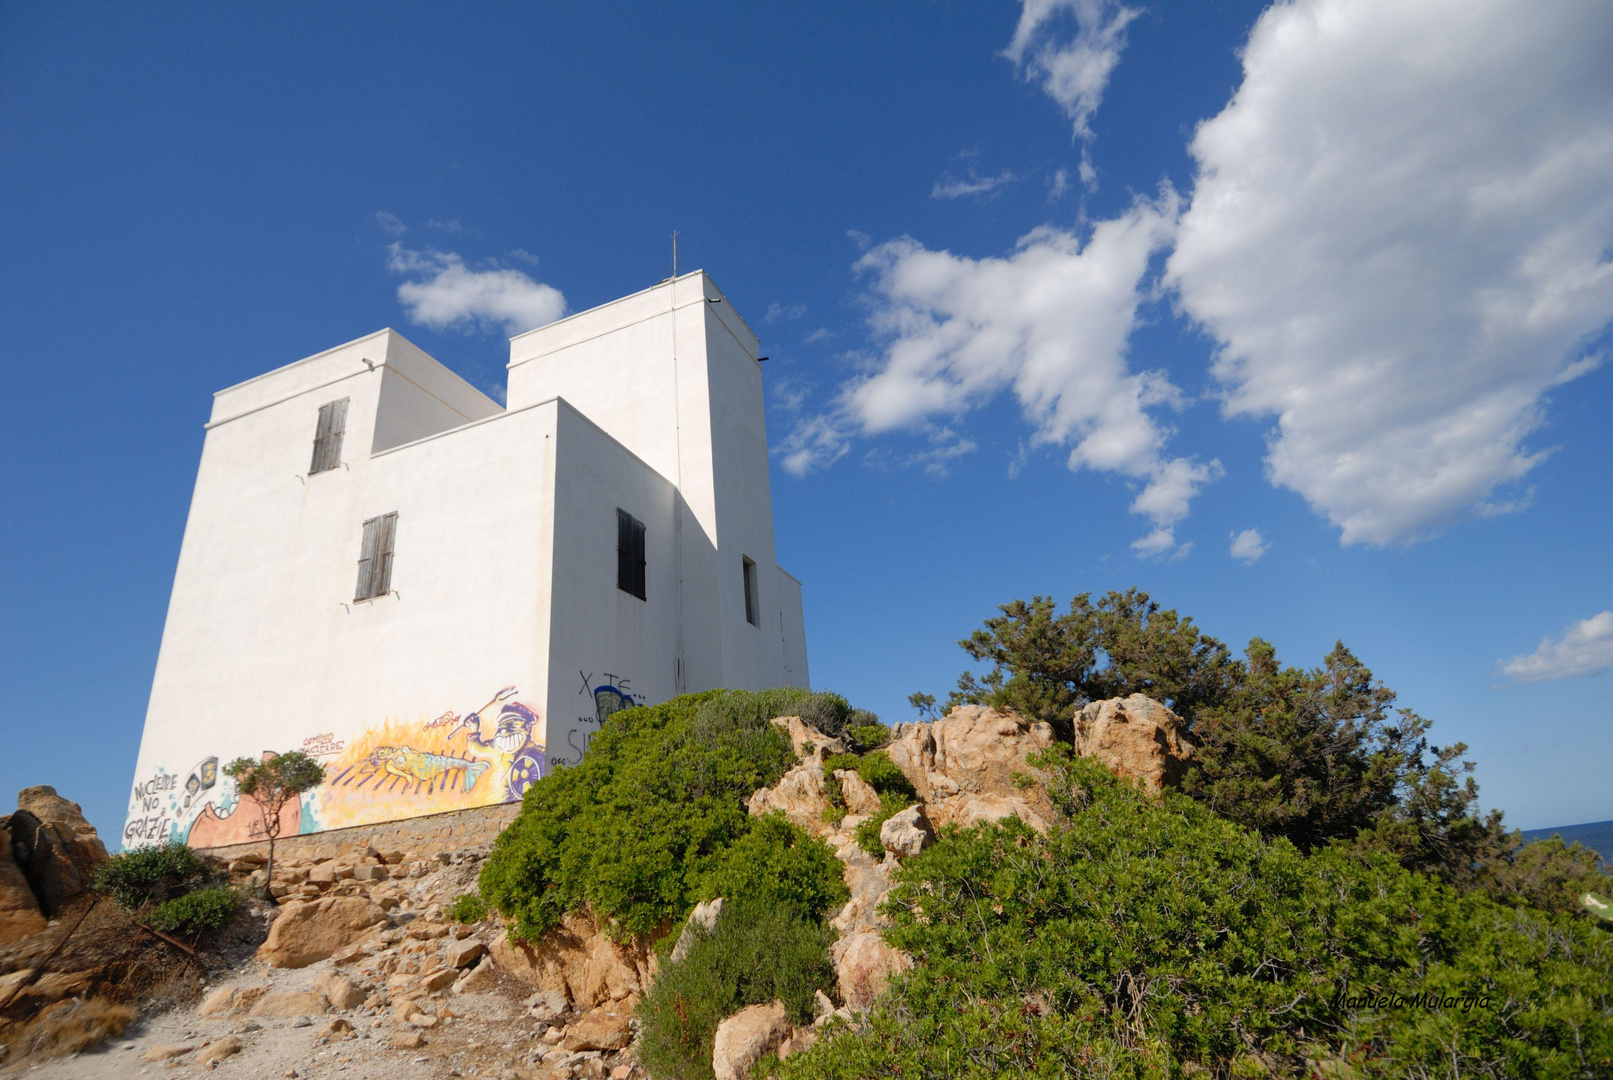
[{"x": 441, "y": 598}]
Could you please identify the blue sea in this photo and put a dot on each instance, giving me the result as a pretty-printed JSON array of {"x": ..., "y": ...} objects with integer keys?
[{"x": 1598, "y": 836}]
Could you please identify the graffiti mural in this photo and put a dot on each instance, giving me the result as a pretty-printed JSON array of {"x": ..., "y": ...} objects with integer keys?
[
  {"x": 395, "y": 769},
  {"x": 609, "y": 697},
  {"x": 400, "y": 768}
]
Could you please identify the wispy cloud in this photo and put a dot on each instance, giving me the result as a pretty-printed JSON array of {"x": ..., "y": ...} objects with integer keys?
[
  {"x": 777, "y": 313},
  {"x": 1585, "y": 648},
  {"x": 1249, "y": 545},
  {"x": 446, "y": 293},
  {"x": 1050, "y": 323},
  {"x": 1074, "y": 67},
  {"x": 952, "y": 188}
]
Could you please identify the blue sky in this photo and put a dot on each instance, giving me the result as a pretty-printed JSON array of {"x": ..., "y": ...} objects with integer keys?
[{"x": 1032, "y": 328}]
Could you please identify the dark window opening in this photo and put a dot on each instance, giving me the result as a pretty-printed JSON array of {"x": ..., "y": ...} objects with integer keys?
[
  {"x": 328, "y": 437},
  {"x": 753, "y": 607},
  {"x": 629, "y": 554},
  {"x": 375, "y": 557}
]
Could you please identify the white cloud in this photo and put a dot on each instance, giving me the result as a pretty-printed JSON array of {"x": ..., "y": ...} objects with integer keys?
[
  {"x": 1585, "y": 649},
  {"x": 447, "y": 293},
  {"x": 1249, "y": 545},
  {"x": 1058, "y": 186},
  {"x": 951, "y": 188},
  {"x": 1074, "y": 71},
  {"x": 1399, "y": 236},
  {"x": 783, "y": 313},
  {"x": 1050, "y": 322}
]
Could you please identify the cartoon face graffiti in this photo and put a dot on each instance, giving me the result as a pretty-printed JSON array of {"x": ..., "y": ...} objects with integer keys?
[
  {"x": 201, "y": 779},
  {"x": 523, "y": 758}
]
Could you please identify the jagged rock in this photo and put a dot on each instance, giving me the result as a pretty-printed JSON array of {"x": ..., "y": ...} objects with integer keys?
[
  {"x": 167, "y": 1051},
  {"x": 228, "y": 1046},
  {"x": 19, "y": 908},
  {"x": 704, "y": 916},
  {"x": 798, "y": 794},
  {"x": 547, "y": 1005},
  {"x": 972, "y": 753},
  {"x": 745, "y": 1037},
  {"x": 577, "y": 960},
  {"x": 808, "y": 742},
  {"x": 54, "y": 847},
  {"x": 863, "y": 965},
  {"x": 906, "y": 833},
  {"x": 868, "y": 880},
  {"x": 859, "y": 796},
  {"x": 799, "y": 1042},
  {"x": 441, "y": 979},
  {"x": 308, "y": 931},
  {"x": 1136, "y": 737},
  {"x": 340, "y": 991},
  {"x": 605, "y": 1028}
]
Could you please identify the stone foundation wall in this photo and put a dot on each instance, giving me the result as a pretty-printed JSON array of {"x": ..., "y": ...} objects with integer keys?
[{"x": 421, "y": 837}]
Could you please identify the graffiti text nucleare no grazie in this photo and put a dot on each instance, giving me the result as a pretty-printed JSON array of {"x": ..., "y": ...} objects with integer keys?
[{"x": 153, "y": 821}]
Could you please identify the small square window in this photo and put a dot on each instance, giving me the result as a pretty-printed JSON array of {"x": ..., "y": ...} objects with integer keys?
[{"x": 629, "y": 554}]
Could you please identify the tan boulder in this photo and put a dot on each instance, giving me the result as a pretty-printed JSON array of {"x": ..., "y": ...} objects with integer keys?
[
  {"x": 864, "y": 964},
  {"x": 808, "y": 742},
  {"x": 227, "y": 1000},
  {"x": 441, "y": 979},
  {"x": 967, "y": 810},
  {"x": 20, "y": 916},
  {"x": 478, "y": 980},
  {"x": 906, "y": 833},
  {"x": 464, "y": 953},
  {"x": 167, "y": 1051},
  {"x": 284, "y": 1004},
  {"x": 308, "y": 931},
  {"x": 859, "y": 796},
  {"x": 745, "y": 1037},
  {"x": 340, "y": 991},
  {"x": 604, "y": 1028},
  {"x": 579, "y": 961},
  {"x": 228, "y": 1046},
  {"x": 1136, "y": 737}
]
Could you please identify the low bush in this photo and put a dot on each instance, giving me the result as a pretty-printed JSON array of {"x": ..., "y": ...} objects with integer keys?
[
  {"x": 149, "y": 874},
  {"x": 468, "y": 908},
  {"x": 757, "y": 953},
  {"x": 777, "y": 862},
  {"x": 1148, "y": 937},
  {"x": 633, "y": 830},
  {"x": 199, "y": 912}
]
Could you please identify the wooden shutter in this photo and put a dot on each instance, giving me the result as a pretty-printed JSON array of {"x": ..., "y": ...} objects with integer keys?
[
  {"x": 383, "y": 572},
  {"x": 368, "y": 556},
  {"x": 328, "y": 436}
]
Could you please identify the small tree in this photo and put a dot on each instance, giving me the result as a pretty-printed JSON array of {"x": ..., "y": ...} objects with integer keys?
[{"x": 272, "y": 783}]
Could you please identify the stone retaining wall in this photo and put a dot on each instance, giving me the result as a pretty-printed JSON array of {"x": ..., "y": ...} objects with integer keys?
[{"x": 421, "y": 837}]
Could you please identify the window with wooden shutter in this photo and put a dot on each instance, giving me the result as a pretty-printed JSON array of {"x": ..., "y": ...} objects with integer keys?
[
  {"x": 753, "y": 606},
  {"x": 375, "y": 557},
  {"x": 629, "y": 554},
  {"x": 328, "y": 436}
]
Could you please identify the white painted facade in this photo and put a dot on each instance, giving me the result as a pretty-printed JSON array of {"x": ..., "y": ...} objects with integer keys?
[{"x": 504, "y": 576}]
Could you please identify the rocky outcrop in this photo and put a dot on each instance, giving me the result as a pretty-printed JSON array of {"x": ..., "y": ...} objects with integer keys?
[
  {"x": 704, "y": 917},
  {"x": 907, "y": 833},
  {"x": 578, "y": 961},
  {"x": 608, "y": 1027},
  {"x": 965, "y": 766},
  {"x": 864, "y": 964},
  {"x": 19, "y": 908},
  {"x": 1137, "y": 738},
  {"x": 307, "y": 931},
  {"x": 745, "y": 1037},
  {"x": 48, "y": 853}
]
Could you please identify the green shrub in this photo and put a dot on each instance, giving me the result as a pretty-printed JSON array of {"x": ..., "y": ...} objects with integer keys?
[
  {"x": 1147, "y": 937},
  {"x": 468, "y": 908},
  {"x": 890, "y": 804},
  {"x": 149, "y": 874},
  {"x": 756, "y": 953},
  {"x": 633, "y": 830},
  {"x": 866, "y": 737},
  {"x": 777, "y": 862},
  {"x": 204, "y": 910}
]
